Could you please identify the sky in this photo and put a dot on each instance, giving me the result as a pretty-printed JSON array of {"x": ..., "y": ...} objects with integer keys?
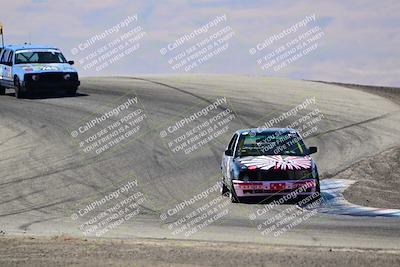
[{"x": 358, "y": 40}]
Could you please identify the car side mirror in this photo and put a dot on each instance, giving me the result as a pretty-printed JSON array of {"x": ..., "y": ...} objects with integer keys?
[
  {"x": 312, "y": 150},
  {"x": 71, "y": 62},
  {"x": 229, "y": 152}
]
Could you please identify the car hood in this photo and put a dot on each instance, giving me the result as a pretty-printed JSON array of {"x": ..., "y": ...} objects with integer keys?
[
  {"x": 52, "y": 67},
  {"x": 277, "y": 162}
]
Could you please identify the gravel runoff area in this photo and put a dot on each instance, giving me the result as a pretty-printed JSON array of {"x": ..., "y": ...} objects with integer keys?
[
  {"x": 378, "y": 183},
  {"x": 67, "y": 251}
]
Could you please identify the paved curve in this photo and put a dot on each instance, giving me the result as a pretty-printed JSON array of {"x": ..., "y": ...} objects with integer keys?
[{"x": 45, "y": 178}]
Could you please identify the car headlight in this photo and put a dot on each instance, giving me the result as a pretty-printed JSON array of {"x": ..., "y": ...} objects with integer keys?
[
  {"x": 300, "y": 174},
  {"x": 35, "y": 77},
  {"x": 67, "y": 76}
]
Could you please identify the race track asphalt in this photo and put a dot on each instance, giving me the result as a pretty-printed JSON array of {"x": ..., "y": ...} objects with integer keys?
[{"x": 45, "y": 177}]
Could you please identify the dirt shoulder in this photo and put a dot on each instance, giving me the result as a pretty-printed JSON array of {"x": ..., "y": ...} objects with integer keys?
[
  {"x": 378, "y": 177},
  {"x": 393, "y": 93},
  {"x": 66, "y": 251},
  {"x": 378, "y": 183}
]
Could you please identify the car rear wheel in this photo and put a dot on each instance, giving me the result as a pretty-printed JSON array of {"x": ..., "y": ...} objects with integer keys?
[{"x": 2, "y": 90}]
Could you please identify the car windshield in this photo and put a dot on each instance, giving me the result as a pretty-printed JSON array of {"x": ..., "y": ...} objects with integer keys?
[
  {"x": 274, "y": 143},
  {"x": 39, "y": 57}
]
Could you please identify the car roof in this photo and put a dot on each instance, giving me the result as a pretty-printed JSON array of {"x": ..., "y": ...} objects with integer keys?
[
  {"x": 28, "y": 46},
  {"x": 266, "y": 130}
]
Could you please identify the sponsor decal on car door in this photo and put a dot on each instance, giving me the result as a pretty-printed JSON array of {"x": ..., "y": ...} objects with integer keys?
[
  {"x": 1, "y": 72},
  {"x": 5, "y": 65},
  {"x": 7, "y": 73},
  {"x": 2, "y": 67},
  {"x": 8, "y": 67}
]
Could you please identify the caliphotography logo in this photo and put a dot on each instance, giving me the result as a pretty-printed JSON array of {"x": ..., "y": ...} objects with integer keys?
[{"x": 199, "y": 133}]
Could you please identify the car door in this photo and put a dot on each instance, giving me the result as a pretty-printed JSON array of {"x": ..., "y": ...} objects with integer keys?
[
  {"x": 1, "y": 66},
  {"x": 9, "y": 67},
  {"x": 227, "y": 160},
  {"x": 6, "y": 67}
]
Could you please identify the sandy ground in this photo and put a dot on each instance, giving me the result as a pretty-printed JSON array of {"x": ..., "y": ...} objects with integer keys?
[
  {"x": 65, "y": 251},
  {"x": 393, "y": 93},
  {"x": 378, "y": 183}
]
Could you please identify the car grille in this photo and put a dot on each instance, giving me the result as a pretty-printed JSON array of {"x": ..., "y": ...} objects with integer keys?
[
  {"x": 53, "y": 76},
  {"x": 284, "y": 191},
  {"x": 274, "y": 175}
]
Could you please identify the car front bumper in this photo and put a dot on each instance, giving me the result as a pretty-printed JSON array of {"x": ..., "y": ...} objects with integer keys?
[
  {"x": 275, "y": 188},
  {"x": 48, "y": 85},
  {"x": 50, "y": 81}
]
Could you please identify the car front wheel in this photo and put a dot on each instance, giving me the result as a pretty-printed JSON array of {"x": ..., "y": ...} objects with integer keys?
[
  {"x": 72, "y": 91},
  {"x": 232, "y": 195},
  {"x": 18, "y": 89},
  {"x": 318, "y": 189},
  {"x": 224, "y": 188}
]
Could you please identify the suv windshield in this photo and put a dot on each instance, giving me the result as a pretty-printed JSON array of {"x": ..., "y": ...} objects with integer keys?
[
  {"x": 39, "y": 57},
  {"x": 259, "y": 144}
]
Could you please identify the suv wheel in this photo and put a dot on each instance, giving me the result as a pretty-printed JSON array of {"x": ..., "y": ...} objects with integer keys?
[{"x": 2, "y": 90}]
